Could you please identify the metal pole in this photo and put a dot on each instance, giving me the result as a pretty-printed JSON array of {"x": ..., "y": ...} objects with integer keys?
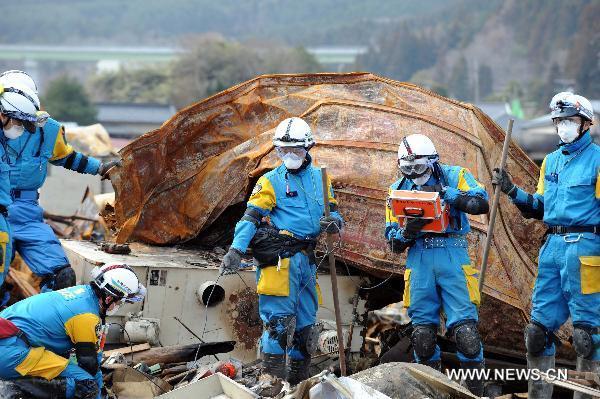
[
  {"x": 495, "y": 204},
  {"x": 334, "y": 287}
]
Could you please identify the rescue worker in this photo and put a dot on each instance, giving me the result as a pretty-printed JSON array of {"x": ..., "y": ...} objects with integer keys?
[
  {"x": 40, "y": 331},
  {"x": 291, "y": 196},
  {"x": 568, "y": 280},
  {"x": 30, "y": 140},
  {"x": 439, "y": 274},
  {"x": 5, "y": 197}
]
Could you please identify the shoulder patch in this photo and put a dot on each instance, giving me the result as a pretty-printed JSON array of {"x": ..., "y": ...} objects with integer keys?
[{"x": 257, "y": 189}]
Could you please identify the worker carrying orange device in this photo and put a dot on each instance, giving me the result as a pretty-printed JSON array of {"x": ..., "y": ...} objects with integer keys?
[{"x": 438, "y": 269}]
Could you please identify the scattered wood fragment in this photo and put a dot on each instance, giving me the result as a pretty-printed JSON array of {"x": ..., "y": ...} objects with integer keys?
[{"x": 128, "y": 349}]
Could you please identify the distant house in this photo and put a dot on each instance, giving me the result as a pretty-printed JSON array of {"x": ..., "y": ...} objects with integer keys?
[{"x": 130, "y": 120}]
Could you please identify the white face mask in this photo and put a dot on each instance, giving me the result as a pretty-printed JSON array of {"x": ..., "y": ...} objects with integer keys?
[
  {"x": 292, "y": 161},
  {"x": 14, "y": 131},
  {"x": 567, "y": 130},
  {"x": 419, "y": 181}
]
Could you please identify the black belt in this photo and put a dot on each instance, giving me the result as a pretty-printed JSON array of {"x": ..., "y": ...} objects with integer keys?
[{"x": 573, "y": 229}]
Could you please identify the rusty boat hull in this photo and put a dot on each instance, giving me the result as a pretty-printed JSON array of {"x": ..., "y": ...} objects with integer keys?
[{"x": 197, "y": 170}]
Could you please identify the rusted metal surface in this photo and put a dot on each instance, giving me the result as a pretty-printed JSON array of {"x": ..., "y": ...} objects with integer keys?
[
  {"x": 245, "y": 321},
  {"x": 177, "y": 181}
]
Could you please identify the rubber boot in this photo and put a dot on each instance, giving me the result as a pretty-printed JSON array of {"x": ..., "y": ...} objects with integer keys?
[
  {"x": 40, "y": 388},
  {"x": 586, "y": 365},
  {"x": 476, "y": 384},
  {"x": 274, "y": 365},
  {"x": 540, "y": 389},
  {"x": 298, "y": 371}
]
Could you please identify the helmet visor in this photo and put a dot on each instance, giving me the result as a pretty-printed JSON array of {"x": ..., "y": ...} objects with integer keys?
[
  {"x": 413, "y": 168},
  {"x": 138, "y": 296},
  {"x": 297, "y": 151}
]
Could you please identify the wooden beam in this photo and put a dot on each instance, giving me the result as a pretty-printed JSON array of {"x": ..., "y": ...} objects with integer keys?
[{"x": 128, "y": 349}]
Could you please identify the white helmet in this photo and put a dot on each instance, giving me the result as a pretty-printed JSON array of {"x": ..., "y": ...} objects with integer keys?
[
  {"x": 416, "y": 146},
  {"x": 22, "y": 104},
  {"x": 118, "y": 281},
  {"x": 18, "y": 78},
  {"x": 293, "y": 132},
  {"x": 566, "y": 104}
]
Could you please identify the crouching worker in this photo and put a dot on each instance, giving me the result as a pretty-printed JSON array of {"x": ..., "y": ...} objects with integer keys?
[
  {"x": 438, "y": 272},
  {"x": 292, "y": 196},
  {"x": 38, "y": 333}
]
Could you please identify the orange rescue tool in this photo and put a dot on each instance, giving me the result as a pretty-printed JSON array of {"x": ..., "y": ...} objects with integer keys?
[{"x": 424, "y": 204}]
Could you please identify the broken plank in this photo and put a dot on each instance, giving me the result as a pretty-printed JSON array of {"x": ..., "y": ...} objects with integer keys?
[
  {"x": 128, "y": 349},
  {"x": 22, "y": 284},
  {"x": 182, "y": 353}
]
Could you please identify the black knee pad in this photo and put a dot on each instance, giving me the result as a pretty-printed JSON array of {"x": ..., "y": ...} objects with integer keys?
[
  {"x": 281, "y": 328},
  {"x": 468, "y": 341},
  {"x": 64, "y": 278},
  {"x": 307, "y": 340},
  {"x": 424, "y": 338},
  {"x": 583, "y": 341},
  {"x": 86, "y": 389},
  {"x": 536, "y": 338}
]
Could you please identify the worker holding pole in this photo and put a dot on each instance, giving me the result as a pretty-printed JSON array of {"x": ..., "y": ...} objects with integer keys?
[
  {"x": 283, "y": 218},
  {"x": 568, "y": 279},
  {"x": 439, "y": 273}
]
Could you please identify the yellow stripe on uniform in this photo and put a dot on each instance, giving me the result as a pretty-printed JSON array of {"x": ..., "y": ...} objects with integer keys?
[
  {"x": 3, "y": 242},
  {"x": 83, "y": 328},
  {"x": 263, "y": 195},
  {"x": 332, "y": 199},
  {"x": 42, "y": 363},
  {"x": 61, "y": 147},
  {"x": 540, "y": 185},
  {"x": 462, "y": 182},
  {"x": 598, "y": 185},
  {"x": 389, "y": 216}
]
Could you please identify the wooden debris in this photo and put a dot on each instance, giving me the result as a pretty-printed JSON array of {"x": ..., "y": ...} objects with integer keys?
[
  {"x": 128, "y": 349},
  {"x": 179, "y": 353},
  {"x": 19, "y": 279}
]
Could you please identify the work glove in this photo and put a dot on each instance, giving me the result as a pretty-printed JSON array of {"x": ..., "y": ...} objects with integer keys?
[
  {"x": 231, "y": 263},
  {"x": 105, "y": 168},
  {"x": 450, "y": 194},
  {"x": 413, "y": 227},
  {"x": 502, "y": 179},
  {"x": 330, "y": 224}
]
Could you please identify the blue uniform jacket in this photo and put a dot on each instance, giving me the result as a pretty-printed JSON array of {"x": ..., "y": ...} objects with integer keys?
[
  {"x": 29, "y": 154},
  {"x": 568, "y": 196},
  {"x": 57, "y": 320},
  {"x": 294, "y": 203},
  {"x": 456, "y": 181}
]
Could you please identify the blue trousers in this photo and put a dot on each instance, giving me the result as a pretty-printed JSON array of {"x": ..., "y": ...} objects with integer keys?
[
  {"x": 14, "y": 351},
  {"x": 439, "y": 276},
  {"x": 558, "y": 291},
  {"x": 34, "y": 240},
  {"x": 302, "y": 301}
]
